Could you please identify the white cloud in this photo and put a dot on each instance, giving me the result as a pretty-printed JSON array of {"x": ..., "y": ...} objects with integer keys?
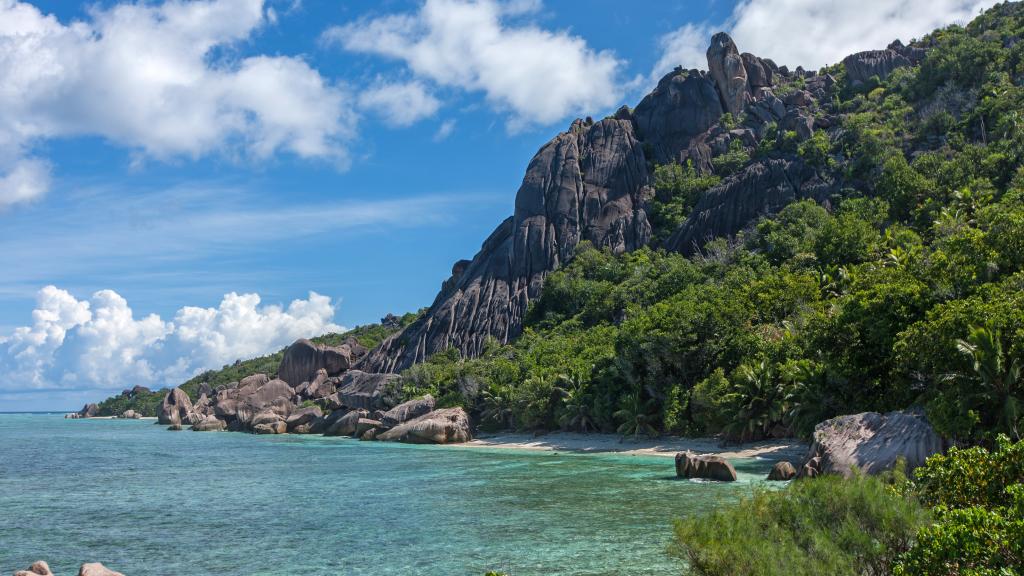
[
  {"x": 444, "y": 130},
  {"x": 161, "y": 79},
  {"x": 537, "y": 75},
  {"x": 813, "y": 33},
  {"x": 399, "y": 104},
  {"x": 99, "y": 344}
]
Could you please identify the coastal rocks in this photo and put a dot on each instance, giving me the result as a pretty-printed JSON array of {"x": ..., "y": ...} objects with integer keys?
[
  {"x": 176, "y": 408},
  {"x": 254, "y": 381},
  {"x": 275, "y": 427},
  {"x": 364, "y": 390},
  {"x": 727, "y": 70},
  {"x": 208, "y": 424},
  {"x": 343, "y": 424},
  {"x": 303, "y": 359},
  {"x": 130, "y": 415},
  {"x": 782, "y": 471},
  {"x": 690, "y": 465},
  {"x": 96, "y": 569},
  {"x": 38, "y": 568},
  {"x": 445, "y": 426},
  {"x": 89, "y": 411},
  {"x": 407, "y": 411},
  {"x": 872, "y": 442},
  {"x": 300, "y": 421},
  {"x": 364, "y": 425}
]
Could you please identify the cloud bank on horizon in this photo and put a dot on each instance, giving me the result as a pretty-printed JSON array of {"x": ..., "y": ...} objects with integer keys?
[{"x": 99, "y": 344}]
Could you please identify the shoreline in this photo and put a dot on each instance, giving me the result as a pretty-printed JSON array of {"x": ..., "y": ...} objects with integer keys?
[{"x": 790, "y": 449}]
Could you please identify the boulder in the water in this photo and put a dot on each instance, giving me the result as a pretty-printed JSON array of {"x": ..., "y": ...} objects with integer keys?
[
  {"x": 710, "y": 467},
  {"x": 445, "y": 426},
  {"x": 782, "y": 471},
  {"x": 96, "y": 569},
  {"x": 38, "y": 568}
]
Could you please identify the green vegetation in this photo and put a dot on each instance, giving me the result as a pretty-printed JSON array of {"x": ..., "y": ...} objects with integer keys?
[
  {"x": 963, "y": 514},
  {"x": 903, "y": 287}
]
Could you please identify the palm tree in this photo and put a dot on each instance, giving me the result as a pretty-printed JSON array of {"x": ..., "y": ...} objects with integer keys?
[
  {"x": 497, "y": 408},
  {"x": 756, "y": 403},
  {"x": 636, "y": 415},
  {"x": 576, "y": 403},
  {"x": 999, "y": 376}
]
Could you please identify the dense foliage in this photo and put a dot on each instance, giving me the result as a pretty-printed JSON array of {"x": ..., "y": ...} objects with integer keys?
[
  {"x": 902, "y": 288},
  {"x": 963, "y": 515}
]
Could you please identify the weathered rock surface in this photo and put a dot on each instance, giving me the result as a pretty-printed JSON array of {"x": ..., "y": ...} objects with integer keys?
[
  {"x": 364, "y": 425},
  {"x": 782, "y": 471},
  {"x": 763, "y": 188},
  {"x": 445, "y": 426},
  {"x": 727, "y": 70},
  {"x": 860, "y": 67},
  {"x": 303, "y": 417},
  {"x": 254, "y": 381},
  {"x": 585, "y": 184},
  {"x": 130, "y": 415},
  {"x": 364, "y": 390},
  {"x": 176, "y": 408},
  {"x": 303, "y": 359},
  {"x": 38, "y": 568},
  {"x": 690, "y": 465},
  {"x": 408, "y": 411},
  {"x": 89, "y": 411},
  {"x": 344, "y": 424},
  {"x": 683, "y": 105},
  {"x": 209, "y": 424},
  {"x": 96, "y": 569},
  {"x": 872, "y": 442}
]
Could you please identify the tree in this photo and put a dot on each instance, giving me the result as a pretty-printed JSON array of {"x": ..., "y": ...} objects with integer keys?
[
  {"x": 636, "y": 415},
  {"x": 755, "y": 403},
  {"x": 999, "y": 376},
  {"x": 576, "y": 404}
]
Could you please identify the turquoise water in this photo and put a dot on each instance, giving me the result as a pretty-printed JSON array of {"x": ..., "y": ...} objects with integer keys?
[{"x": 149, "y": 502}]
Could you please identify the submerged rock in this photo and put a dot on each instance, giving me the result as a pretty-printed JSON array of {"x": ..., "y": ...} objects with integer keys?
[
  {"x": 873, "y": 442},
  {"x": 96, "y": 569},
  {"x": 690, "y": 465},
  {"x": 782, "y": 471},
  {"x": 38, "y": 568},
  {"x": 445, "y": 426}
]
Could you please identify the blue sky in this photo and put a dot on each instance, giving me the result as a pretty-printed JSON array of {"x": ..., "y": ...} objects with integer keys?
[{"x": 163, "y": 163}]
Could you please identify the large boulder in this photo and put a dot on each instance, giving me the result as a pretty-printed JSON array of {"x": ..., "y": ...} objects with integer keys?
[
  {"x": 860, "y": 67},
  {"x": 727, "y": 70},
  {"x": 254, "y": 381},
  {"x": 276, "y": 427},
  {"x": 364, "y": 425},
  {"x": 176, "y": 408},
  {"x": 38, "y": 568},
  {"x": 89, "y": 411},
  {"x": 690, "y": 465},
  {"x": 445, "y": 426},
  {"x": 96, "y": 569},
  {"x": 303, "y": 359},
  {"x": 302, "y": 419},
  {"x": 408, "y": 411},
  {"x": 364, "y": 390},
  {"x": 683, "y": 105},
  {"x": 873, "y": 442},
  {"x": 782, "y": 471},
  {"x": 130, "y": 415},
  {"x": 208, "y": 424},
  {"x": 344, "y": 423}
]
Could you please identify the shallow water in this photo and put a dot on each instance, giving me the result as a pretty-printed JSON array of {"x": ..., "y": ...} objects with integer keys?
[{"x": 146, "y": 501}]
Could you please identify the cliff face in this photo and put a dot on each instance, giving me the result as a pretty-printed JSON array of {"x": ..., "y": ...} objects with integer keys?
[
  {"x": 586, "y": 184},
  {"x": 593, "y": 182}
]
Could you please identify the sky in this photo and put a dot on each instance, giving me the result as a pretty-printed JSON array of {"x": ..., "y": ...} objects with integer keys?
[{"x": 186, "y": 183}]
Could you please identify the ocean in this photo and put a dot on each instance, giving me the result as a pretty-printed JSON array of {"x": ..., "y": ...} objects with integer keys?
[{"x": 149, "y": 502}]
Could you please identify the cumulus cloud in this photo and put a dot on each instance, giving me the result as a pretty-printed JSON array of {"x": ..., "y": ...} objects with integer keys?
[
  {"x": 483, "y": 46},
  {"x": 812, "y": 33},
  {"x": 160, "y": 79},
  {"x": 100, "y": 344},
  {"x": 399, "y": 104}
]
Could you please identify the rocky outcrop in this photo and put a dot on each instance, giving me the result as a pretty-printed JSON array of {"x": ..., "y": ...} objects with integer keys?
[
  {"x": 344, "y": 423},
  {"x": 782, "y": 471},
  {"x": 763, "y": 188},
  {"x": 303, "y": 359},
  {"x": 301, "y": 421},
  {"x": 38, "y": 568},
  {"x": 872, "y": 443},
  {"x": 860, "y": 67},
  {"x": 176, "y": 408},
  {"x": 364, "y": 390},
  {"x": 690, "y": 465},
  {"x": 727, "y": 69},
  {"x": 209, "y": 424},
  {"x": 445, "y": 426},
  {"x": 130, "y": 415},
  {"x": 588, "y": 184},
  {"x": 89, "y": 411},
  {"x": 96, "y": 569},
  {"x": 683, "y": 105},
  {"x": 408, "y": 411}
]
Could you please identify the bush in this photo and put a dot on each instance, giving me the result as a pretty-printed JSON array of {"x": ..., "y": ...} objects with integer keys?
[{"x": 828, "y": 525}]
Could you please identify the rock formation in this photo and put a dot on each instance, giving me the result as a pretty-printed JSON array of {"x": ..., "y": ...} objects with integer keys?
[
  {"x": 690, "y": 465},
  {"x": 445, "y": 426},
  {"x": 176, "y": 408},
  {"x": 782, "y": 471},
  {"x": 727, "y": 70},
  {"x": 359, "y": 389},
  {"x": 871, "y": 442},
  {"x": 408, "y": 411},
  {"x": 860, "y": 67},
  {"x": 303, "y": 359},
  {"x": 38, "y": 568},
  {"x": 96, "y": 569}
]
